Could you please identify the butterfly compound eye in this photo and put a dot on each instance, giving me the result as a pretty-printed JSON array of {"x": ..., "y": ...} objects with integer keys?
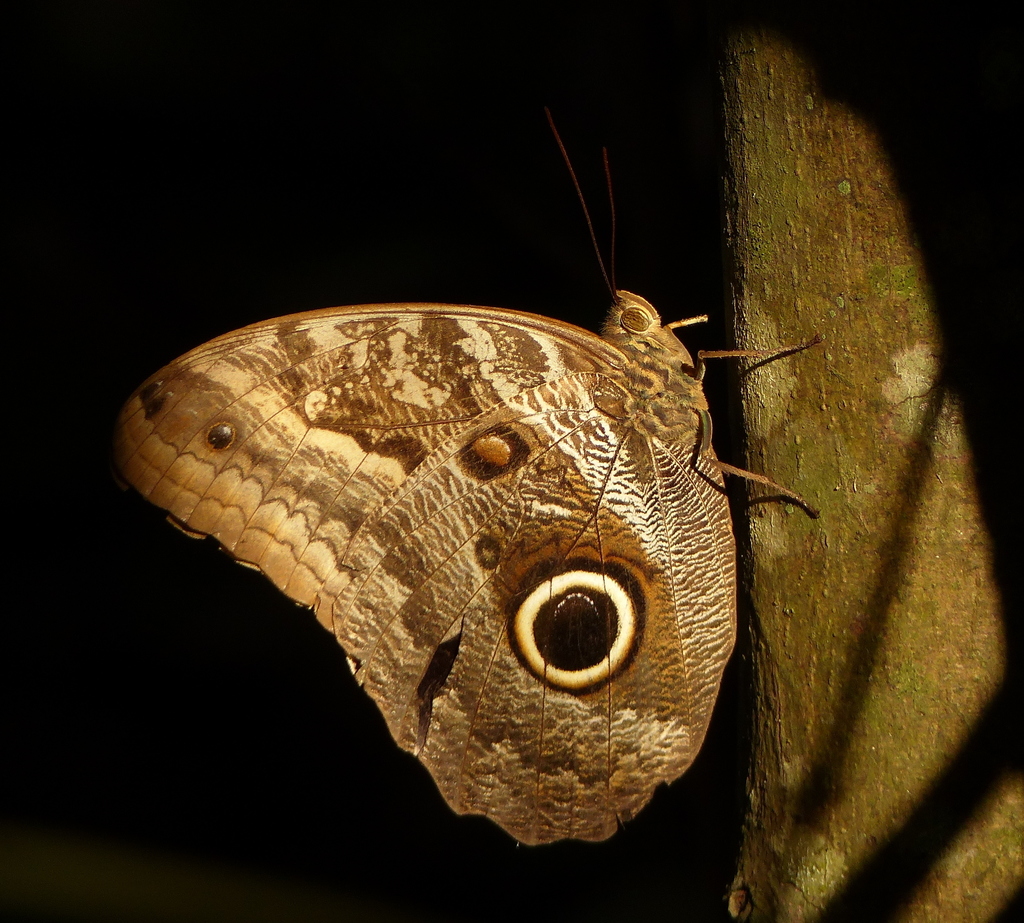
[{"x": 636, "y": 319}]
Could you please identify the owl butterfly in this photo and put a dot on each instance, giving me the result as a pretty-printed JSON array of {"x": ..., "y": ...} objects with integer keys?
[{"x": 516, "y": 529}]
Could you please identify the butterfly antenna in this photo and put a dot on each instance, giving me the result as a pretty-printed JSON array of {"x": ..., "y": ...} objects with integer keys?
[
  {"x": 583, "y": 202},
  {"x": 611, "y": 208}
]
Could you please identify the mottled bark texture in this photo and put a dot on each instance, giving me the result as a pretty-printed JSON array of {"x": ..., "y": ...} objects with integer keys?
[{"x": 876, "y": 636}]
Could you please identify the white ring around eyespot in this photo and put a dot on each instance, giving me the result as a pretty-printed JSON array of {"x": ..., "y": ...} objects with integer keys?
[{"x": 625, "y": 617}]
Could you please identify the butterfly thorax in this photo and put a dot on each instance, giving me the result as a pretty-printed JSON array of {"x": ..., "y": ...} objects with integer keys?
[{"x": 665, "y": 394}]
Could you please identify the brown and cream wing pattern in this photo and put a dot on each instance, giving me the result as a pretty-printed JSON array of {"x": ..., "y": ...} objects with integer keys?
[
  {"x": 275, "y": 437},
  {"x": 536, "y": 590}
]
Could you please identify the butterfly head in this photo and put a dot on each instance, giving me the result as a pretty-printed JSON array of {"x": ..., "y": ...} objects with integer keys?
[{"x": 634, "y": 325}]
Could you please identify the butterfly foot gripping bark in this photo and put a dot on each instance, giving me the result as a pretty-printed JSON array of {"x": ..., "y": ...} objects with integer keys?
[{"x": 510, "y": 525}]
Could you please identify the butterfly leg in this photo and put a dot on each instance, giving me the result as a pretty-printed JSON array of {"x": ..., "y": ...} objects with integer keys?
[
  {"x": 764, "y": 355},
  {"x": 787, "y": 494}
]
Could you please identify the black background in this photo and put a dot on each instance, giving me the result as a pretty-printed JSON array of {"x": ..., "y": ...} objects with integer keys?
[
  {"x": 187, "y": 168},
  {"x": 197, "y": 167}
]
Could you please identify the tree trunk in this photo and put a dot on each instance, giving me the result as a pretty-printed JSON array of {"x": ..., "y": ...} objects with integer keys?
[{"x": 876, "y": 644}]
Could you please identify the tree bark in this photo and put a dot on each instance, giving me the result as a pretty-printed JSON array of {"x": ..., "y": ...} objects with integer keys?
[{"x": 876, "y": 645}]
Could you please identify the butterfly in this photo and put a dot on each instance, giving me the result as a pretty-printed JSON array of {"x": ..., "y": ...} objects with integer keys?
[{"x": 516, "y": 529}]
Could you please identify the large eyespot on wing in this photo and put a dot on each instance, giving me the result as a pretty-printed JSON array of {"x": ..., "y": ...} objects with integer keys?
[{"x": 579, "y": 628}]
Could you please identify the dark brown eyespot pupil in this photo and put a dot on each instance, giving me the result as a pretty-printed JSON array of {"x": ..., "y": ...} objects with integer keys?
[
  {"x": 575, "y": 631},
  {"x": 220, "y": 436}
]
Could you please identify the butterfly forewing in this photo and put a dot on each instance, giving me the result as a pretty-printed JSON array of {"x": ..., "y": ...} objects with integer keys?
[{"x": 534, "y": 586}]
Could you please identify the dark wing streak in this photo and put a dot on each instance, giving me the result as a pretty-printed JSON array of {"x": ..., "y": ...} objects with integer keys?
[
  {"x": 385, "y": 509},
  {"x": 440, "y": 566}
]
